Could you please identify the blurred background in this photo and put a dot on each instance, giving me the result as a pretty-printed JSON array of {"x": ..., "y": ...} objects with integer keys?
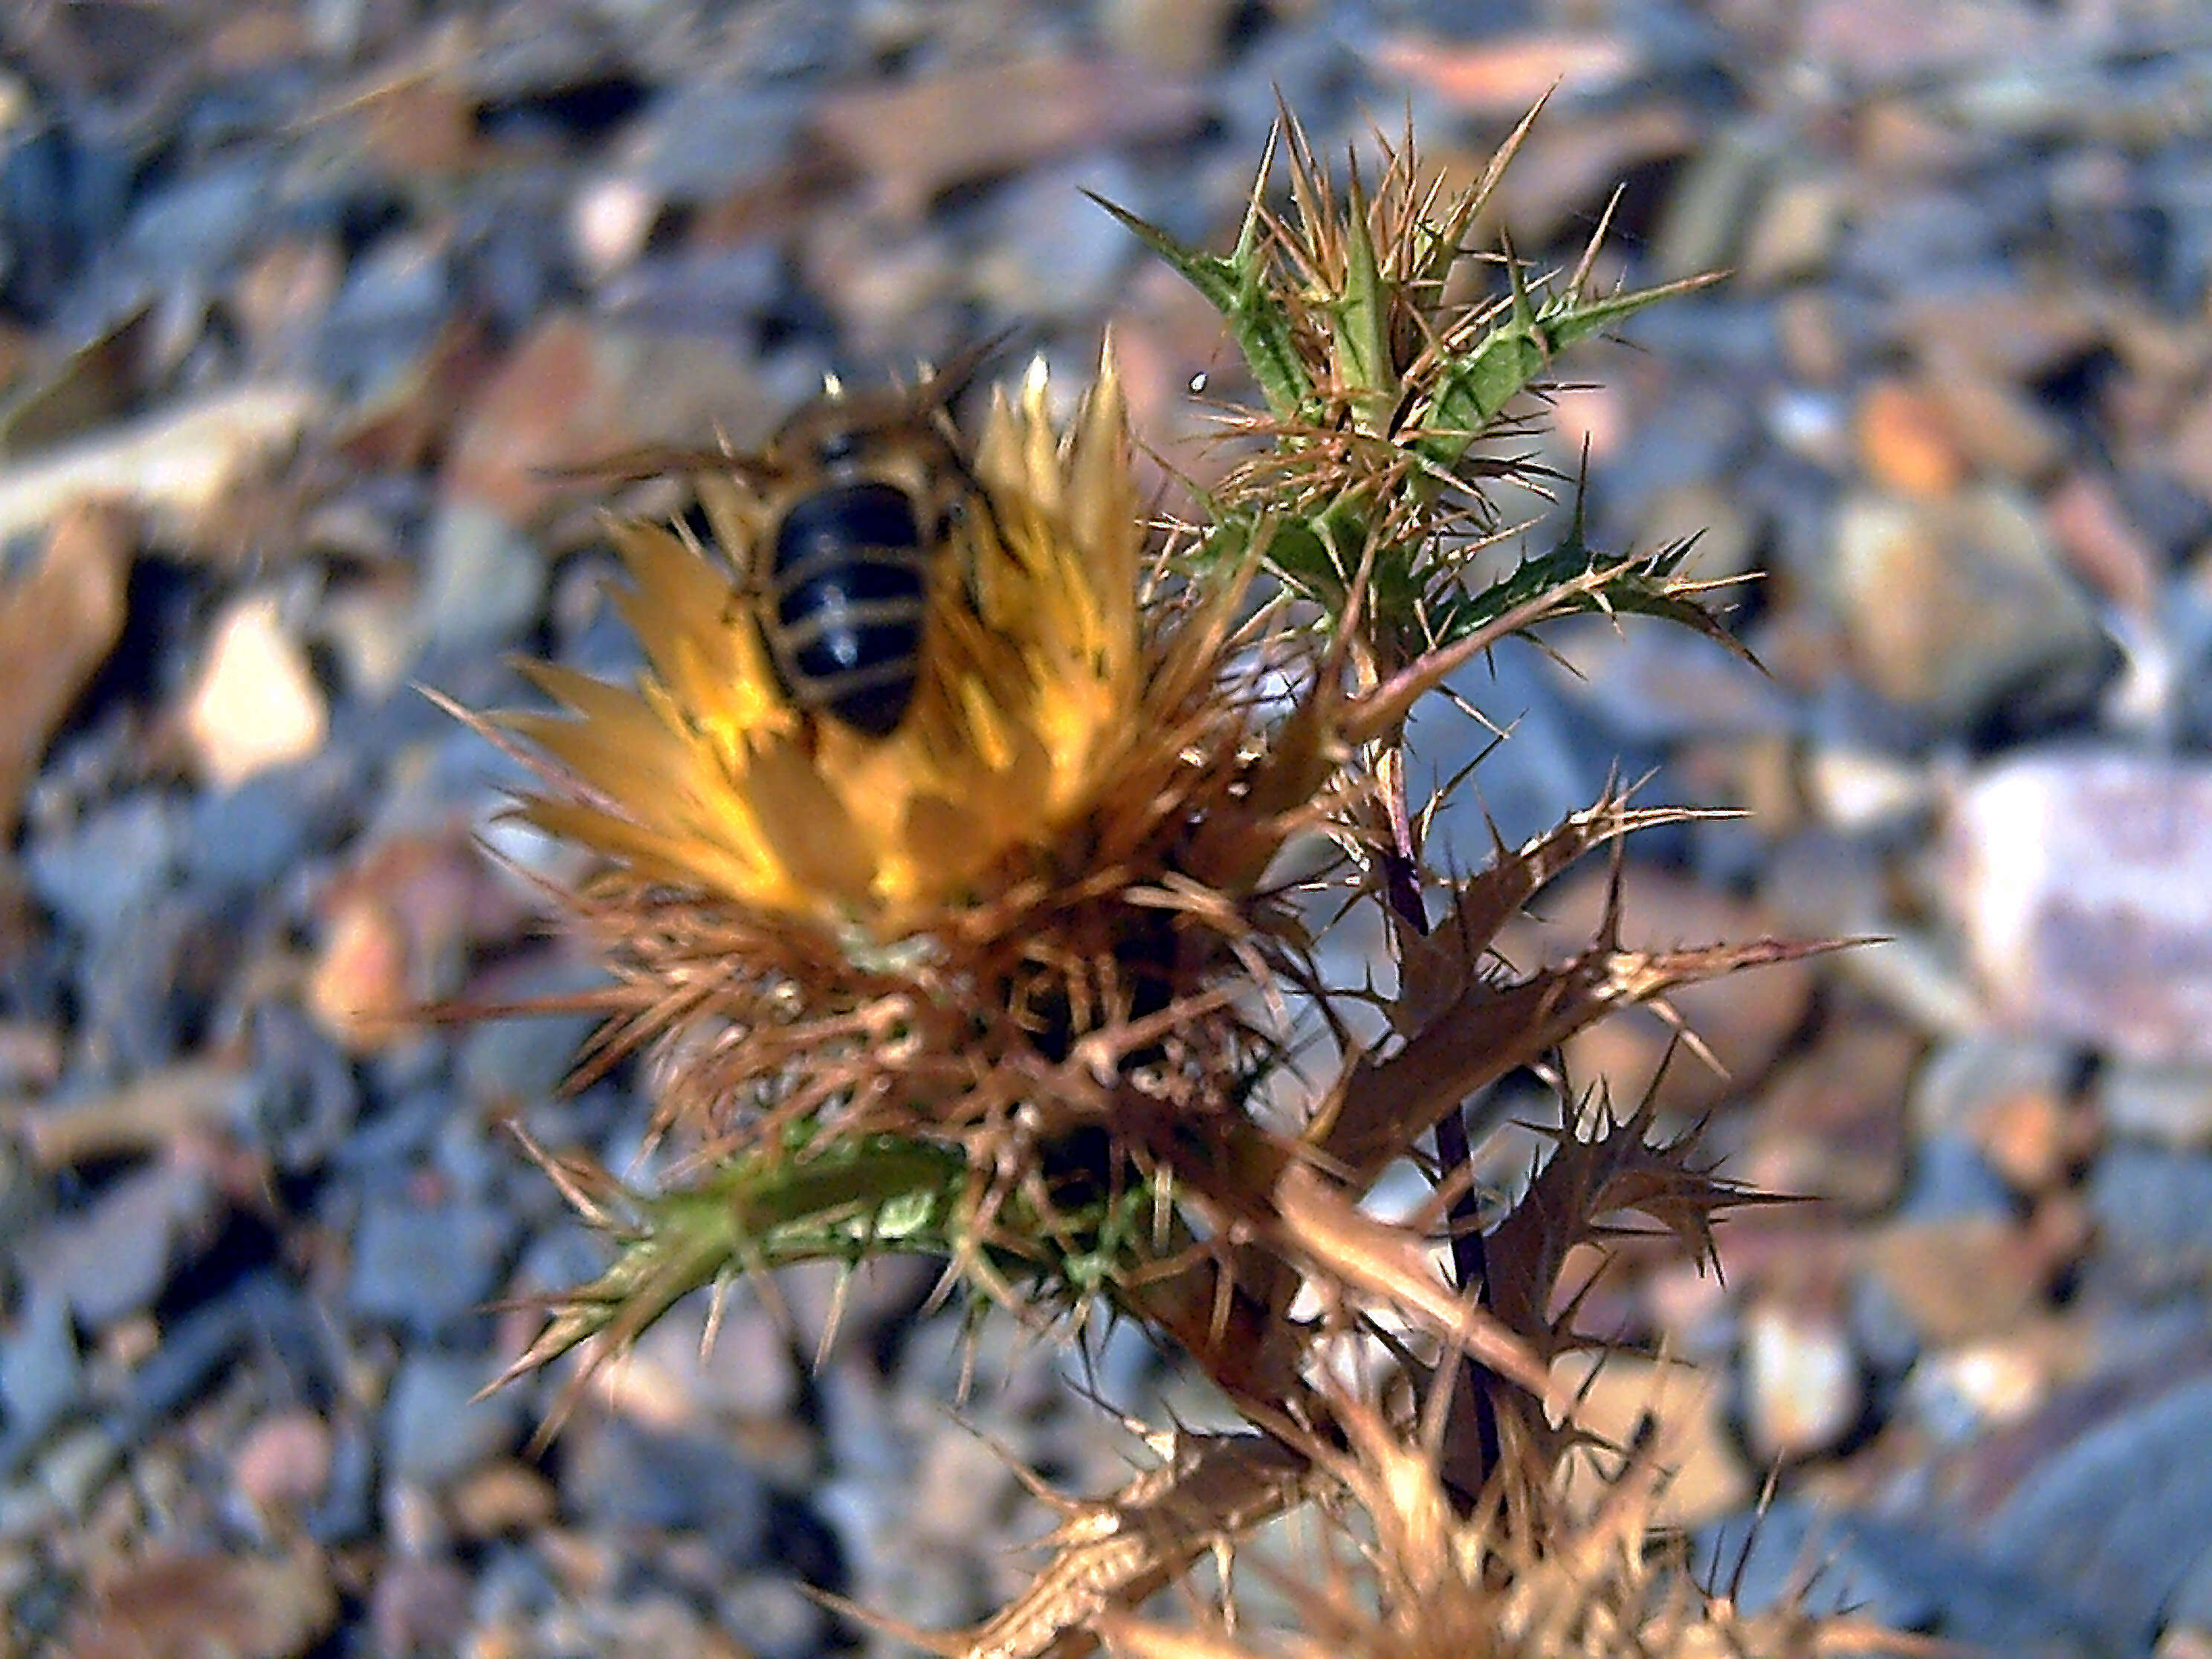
[{"x": 298, "y": 300}]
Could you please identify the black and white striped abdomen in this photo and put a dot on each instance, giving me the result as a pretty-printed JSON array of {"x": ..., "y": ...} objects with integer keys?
[{"x": 848, "y": 591}]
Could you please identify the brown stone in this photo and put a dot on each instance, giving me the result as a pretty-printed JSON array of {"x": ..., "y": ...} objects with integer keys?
[
  {"x": 1831, "y": 1123},
  {"x": 185, "y": 1607},
  {"x": 1951, "y": 602},
  {"x": 1504, "y": 77},
  {"x": 1961, "y": 1280},
  {"x": 502, "y": 1498},
  {"x": 284, "y": 1462},
  {"x": 1688, "y": 1409},
  {"x": 1995, "y": 424},
  {"x": 1905, "y": 443},
  {"x": 918, "y": 138},
  {"x": 2104, "y": 547}
]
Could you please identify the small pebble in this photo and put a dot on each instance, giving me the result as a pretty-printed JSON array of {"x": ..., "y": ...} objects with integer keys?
[
  {"x": 1803, "y": 1391},
  {"x": 257, "y": 704},
  {"x": 284, "y": 1462}
]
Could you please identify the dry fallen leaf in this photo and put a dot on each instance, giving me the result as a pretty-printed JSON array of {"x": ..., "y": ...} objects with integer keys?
[
  {"x": 915, "y": 141},
  {"x": 197, "y": 1607},
  {"x": 56, "y": 626},
  {"x": 175, "y": 465},
  {"x": 1505, "y": 76}
]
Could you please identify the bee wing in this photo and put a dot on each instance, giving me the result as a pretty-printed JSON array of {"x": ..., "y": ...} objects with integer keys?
[
  {"x": 941, "y": 385},
  {"x": 660, "y": 461}
]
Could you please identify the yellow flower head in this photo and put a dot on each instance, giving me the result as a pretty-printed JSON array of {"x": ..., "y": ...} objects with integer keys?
[{"x": 1029, "y": 684}]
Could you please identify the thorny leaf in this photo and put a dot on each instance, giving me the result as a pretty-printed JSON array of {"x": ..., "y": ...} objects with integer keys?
[
  {"x": 1387, "y": 1103},
  {"x": 1599, "y": 1172},
  {"x": 1474, "y": 386},
  {"x": 1348, "y": 1247},
  {"x": 1578, "y": 579},
  {"x": 1209, "y": 1493},
  {"x": 1234, "y": 287},
  {"x": 855, "y": 1197}
]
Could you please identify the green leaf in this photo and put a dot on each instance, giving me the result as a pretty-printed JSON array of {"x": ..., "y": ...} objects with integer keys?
[
  {"x": 1234, "y": 287},
  {"x": 1632, "y": 584},
  {"x": 1361, "y": 343},
  {"x": 1473, "y": 389}
]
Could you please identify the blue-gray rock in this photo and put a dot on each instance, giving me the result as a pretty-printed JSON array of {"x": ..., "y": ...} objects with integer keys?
[
  {"x": 776, "y": 1620},
  {"x": 1949, "y": 1178},
  {"x": 435, "y": 1430},
  {"x": 112, "y": 1259},
  {"x": 700, "y": 141},
  {"x": 264, "y": 1314},
  {"x": 41, "y": 1380},
  {"x": 721, "y": 291},
  {"x": 249, "y": 838},
  {"x": 484, "y": 582},
  {"x": 509, "y": 1063},
  {"x": 1543, "y": 770},
  {"x": 199, "y": 224},
  {"x": 120, "y": 856},
  {"x": 2154, "y": 1215},
  {"x": 304, "y": 1096},
  {"x": 1055, "y": 253},
  {"x": 2120, "y": 1517},
  {"x": 395, "y": 299},
  {"x": 619, "y": 1473},
  {"x": 347, "y": 1512},
  {"x": 2165, "y": 1105},
  {"x": 427, "y": 1267},
  {"x": 1893, "y": 1573}
]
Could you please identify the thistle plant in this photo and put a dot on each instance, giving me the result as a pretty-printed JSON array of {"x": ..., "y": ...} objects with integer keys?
[{"x": 1017, "y": 986}]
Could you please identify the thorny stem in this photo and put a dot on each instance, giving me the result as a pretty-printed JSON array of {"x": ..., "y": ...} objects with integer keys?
[{"x": 1464, "y": 1467}]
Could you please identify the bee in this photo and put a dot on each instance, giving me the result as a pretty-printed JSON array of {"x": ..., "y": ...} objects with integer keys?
[{"x": 857, "y": 497}]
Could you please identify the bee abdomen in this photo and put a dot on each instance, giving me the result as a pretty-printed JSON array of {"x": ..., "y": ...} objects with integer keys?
[{"x": 849, "y": 586}]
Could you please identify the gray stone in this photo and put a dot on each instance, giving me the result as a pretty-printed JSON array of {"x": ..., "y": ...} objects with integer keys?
[
  {"x": 2154, "y": 1215},
  {"x": 434, "y": 1428},
  {"x": 427, "y": 1267},
  {"x": 120, "y": 857},
  {"x": 483, "y": 581},
  {"x": 112, "y": 1260}
]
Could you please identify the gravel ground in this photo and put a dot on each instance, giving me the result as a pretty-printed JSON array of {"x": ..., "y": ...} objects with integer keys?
[{"x": 298, "y": 302}]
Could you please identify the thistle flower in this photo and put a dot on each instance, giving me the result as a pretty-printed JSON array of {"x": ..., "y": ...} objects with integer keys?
[
  {"x": 706, "y": 777},
  {"x": 954, "y": 936}
]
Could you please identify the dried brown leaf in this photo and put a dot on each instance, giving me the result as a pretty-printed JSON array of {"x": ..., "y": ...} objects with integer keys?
[
  {"x": 56, "y": 626},
  {"x": 1388, "y": 1104},
  {"x": 198, "y": 1607}
]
